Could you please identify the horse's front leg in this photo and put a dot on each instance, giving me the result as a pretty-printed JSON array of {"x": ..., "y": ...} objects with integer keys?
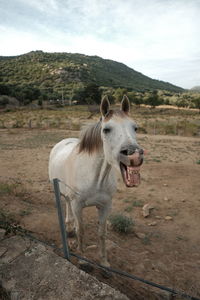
[
  {"x": 103, "y": 215},
  {"x": 77, "y": 212},
  {"x": 69, "y": 220}
]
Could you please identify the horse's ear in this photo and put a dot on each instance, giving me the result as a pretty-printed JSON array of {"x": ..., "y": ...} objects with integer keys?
[
  {"x": 105, "y": 106},
  {"x": 125, "y": 104}
]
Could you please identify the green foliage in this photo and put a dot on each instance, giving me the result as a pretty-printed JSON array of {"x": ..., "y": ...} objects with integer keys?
[
  {"x": 121, "y": 224},
  {"x": 153, "y": 99},
  {"x": 91, "y": 94}
]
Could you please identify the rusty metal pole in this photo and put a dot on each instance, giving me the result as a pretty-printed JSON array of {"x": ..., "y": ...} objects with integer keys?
[{"x": 61, "y": 219}]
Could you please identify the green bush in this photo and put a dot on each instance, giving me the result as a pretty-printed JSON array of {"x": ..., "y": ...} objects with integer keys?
[{"x": 121, "y": 223}]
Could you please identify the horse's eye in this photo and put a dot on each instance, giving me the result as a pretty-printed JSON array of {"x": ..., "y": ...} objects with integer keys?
[
  {"x": 106, "y": 130},
  {"x": 136, "y": 128}
]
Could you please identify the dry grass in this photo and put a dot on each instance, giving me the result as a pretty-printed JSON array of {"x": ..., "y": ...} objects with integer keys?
[{"x": 151, "y": 121}]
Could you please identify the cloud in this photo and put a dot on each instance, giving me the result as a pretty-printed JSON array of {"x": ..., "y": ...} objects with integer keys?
[{"x": 143, "y": 34}]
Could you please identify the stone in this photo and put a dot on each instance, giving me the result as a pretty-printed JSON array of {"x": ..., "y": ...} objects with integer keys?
[
  {"x": 158, "y": 217},
  {"x": 91, "y": 247},
  {"x": 15, "y": 246},
  {"x": 146, "y": 210},
  {"x": 154, "y": 223},
  {"x": 140, "y": 235},
  {"x": 168, "y": 218},
  {"x": 166, "y": 199}
]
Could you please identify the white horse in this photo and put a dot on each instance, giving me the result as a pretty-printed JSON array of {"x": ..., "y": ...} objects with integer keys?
[{"x": 86, "y": 167}]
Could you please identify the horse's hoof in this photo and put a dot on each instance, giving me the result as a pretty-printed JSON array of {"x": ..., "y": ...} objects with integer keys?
[
  {"x": 85, "y": 267},
  {"x": 105, "y": 263},
  {"x": 106, "y": 274},
  {"x": 71, "y": 234}
]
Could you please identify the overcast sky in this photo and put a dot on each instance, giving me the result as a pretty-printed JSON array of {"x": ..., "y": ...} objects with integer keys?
[{"x": 160, "y": 38}]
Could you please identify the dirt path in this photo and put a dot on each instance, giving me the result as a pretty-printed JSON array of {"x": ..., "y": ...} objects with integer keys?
[{"x": 165, "y": 250}]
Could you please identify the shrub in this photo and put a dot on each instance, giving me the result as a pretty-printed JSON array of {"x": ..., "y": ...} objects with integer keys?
[{"x": 121, "y": 224}]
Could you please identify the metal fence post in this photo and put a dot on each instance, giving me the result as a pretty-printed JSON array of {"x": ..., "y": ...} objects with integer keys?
[{"x": 61, "y": 219}]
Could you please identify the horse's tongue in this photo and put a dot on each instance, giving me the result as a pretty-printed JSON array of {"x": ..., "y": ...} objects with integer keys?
[{"x": 133, "y": 176}]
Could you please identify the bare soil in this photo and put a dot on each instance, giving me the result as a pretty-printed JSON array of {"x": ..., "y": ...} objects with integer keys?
[{"x": 160, "y": 249}]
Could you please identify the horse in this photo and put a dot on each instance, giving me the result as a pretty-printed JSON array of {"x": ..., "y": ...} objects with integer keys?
[{"x": 87, "y": 168}]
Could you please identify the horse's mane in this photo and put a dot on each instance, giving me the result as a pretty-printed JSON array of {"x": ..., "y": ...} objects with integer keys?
[{"x": 90, "y": 138}]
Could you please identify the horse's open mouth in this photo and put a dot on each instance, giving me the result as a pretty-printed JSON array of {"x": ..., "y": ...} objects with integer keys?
[
  {"x": 130, "y": 175},
  {"x": 130, "y": 168}
]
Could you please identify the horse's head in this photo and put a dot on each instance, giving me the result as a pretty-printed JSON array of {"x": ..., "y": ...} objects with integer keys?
[{"x": 118, "y": 133}]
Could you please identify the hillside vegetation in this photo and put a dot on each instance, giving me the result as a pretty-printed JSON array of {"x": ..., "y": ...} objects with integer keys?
[{"x": 62, "y": 75}]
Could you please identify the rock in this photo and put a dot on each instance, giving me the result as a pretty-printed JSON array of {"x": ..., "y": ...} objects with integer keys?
[
  {"x": 45, "y": 275},
  {"x": 165, "y": 184},
  {"x": 154, "y": 223},
  {"x": 146, "y": 209},
  {"x": 166, "y": 199},
  {"x": 140, "y": 235},
  {"x": 2, "y": 233},
  {"x": 168, "y": 218},
  {"x": 158, "y": 217},
  {"x": 20, "y": 246}
]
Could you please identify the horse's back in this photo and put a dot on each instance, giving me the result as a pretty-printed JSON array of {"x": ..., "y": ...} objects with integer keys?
[{"x": 58, "y": 157}]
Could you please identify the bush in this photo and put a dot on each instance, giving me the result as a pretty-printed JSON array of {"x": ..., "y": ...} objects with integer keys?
[{"x": 121, "y": 224}]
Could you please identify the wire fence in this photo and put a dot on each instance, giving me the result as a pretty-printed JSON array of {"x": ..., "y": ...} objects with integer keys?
[{"x": 68, "y": 253}]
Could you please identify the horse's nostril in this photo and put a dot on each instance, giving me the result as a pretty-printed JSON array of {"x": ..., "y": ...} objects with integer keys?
[
  {"x": 124, "y": 152},
  {"x": 141, "y": 151}
]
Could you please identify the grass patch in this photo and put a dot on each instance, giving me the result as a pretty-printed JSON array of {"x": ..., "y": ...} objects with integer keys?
[
  {"x": 146, "y": 240},
  {"x": 121, "y": 223},
  {"x": 198, "y": 162},
  {"x": 6, "y": 188},
  {"x": 25, "y": 212}
]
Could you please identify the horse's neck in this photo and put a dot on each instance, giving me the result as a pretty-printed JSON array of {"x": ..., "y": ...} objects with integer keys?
[{"x": 104, "y": 174}]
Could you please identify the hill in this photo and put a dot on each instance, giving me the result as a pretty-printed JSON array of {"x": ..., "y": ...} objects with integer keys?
[
  {"x": 57, "y": 73},
  {"x": 195, "y": 88}
]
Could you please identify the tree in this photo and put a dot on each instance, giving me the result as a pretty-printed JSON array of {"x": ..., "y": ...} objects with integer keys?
[
  {"x": 137, "y": 99},
  {"x": 153, "y": 99},
  {"x": 91, "y": 94},
  {"x": 119, "y": 93},
  {"x": 197, "y": 103}
]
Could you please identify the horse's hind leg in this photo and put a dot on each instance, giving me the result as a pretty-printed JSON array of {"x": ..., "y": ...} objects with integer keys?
[
  {"x": 69, "y": 218},
  {"x": 77, "y": 212}
]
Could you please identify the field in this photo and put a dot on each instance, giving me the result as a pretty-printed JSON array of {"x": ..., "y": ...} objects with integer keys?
[{"x": 163, "y": 247}]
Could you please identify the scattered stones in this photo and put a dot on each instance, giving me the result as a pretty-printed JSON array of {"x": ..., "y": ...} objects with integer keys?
[
  {"x": 168, "y": 218},
  {"x": 154, "y": 223},
  {"x": 146, "y": 210}
]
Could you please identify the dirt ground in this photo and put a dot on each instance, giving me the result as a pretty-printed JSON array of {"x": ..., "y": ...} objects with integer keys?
[{"x": 163, "y": 247}]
